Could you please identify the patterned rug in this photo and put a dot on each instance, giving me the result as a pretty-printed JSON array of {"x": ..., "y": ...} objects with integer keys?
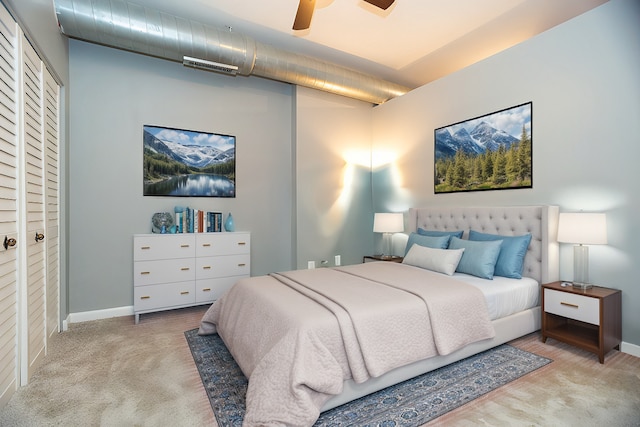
[{"x": 408, "y": 404}]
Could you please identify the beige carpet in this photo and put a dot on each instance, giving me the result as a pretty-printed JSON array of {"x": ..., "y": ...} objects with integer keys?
[{"x": 114, "y": 373}]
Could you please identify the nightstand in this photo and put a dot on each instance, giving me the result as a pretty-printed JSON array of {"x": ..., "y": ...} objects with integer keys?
[
  {"x": 590, "y": 319},
  {"x": 390, "y": 258}
]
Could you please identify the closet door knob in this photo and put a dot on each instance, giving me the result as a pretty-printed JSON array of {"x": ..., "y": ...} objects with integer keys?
[
  {"x": 9, "y": 242},
  {"x": 39, "y": 236}
]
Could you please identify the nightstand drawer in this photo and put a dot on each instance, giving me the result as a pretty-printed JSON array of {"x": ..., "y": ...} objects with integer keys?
[{"x": 573, "y": 306}]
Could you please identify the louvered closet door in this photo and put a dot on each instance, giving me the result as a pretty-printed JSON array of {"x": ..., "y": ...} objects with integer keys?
[
  {"x": 33, "y": 347},
  {"x": 52, "y": 200},
  {"x": 8, "y": 206}
]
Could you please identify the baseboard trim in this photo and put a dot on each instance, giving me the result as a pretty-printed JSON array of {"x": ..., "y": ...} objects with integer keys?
[
  {"x": 631, "y": 349},
  {"x": 87, "y": 316}
]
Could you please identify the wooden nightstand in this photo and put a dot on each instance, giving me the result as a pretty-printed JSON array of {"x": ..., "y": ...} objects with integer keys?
[
  {"x": 390, "y": 258},
  {"x": 590, "y": 319}
]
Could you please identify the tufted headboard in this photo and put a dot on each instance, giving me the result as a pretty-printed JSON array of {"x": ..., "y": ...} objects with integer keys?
[{"x": 542, "y": 259}]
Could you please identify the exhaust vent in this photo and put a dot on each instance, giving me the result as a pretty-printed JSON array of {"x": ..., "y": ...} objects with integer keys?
[{"x": 209, "y": 65}]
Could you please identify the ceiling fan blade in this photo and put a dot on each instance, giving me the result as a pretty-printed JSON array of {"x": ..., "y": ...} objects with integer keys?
[
  {"x": 304, "y": 14},
  {"x": 382, "y": 4}
]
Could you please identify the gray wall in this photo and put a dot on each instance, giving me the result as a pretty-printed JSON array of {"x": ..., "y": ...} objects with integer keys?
[
  {"x": 290, "y": 178},
  {"x": 333, "y": 180},
  {"x": 582, "y": 78},
  {"x": 113, "y": 94}
]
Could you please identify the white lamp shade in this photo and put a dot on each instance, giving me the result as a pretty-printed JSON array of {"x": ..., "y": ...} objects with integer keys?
[
  {"x": 388, "y": 223},
  {"x": 583, "y": 228}
]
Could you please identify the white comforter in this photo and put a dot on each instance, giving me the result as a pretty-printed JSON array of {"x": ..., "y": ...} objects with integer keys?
[{"x": 298, "y": 335}]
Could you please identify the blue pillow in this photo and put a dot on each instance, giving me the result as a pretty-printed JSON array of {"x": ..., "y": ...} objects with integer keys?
[
  {"x": 511, "y": 259},
  {"x": 437, "y": 233},
  {"x": 479, "y": 258},
  {"x": 440, "y": 242}
]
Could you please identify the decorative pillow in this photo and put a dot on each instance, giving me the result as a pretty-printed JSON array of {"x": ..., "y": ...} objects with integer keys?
[
  {"x": 511, "y": 259},
  {"x": 437, "y": 233},
  {"x": 438, "y": 260},
  {"x": 429, "y": 241},
  {"x": 479, "y": 258}
]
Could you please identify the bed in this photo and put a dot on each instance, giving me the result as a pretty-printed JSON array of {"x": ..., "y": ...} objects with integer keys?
[{"x": 311, "y": 340}]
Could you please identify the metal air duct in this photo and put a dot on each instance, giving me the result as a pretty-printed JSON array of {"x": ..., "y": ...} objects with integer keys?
[{"x": 124, "y": 25}]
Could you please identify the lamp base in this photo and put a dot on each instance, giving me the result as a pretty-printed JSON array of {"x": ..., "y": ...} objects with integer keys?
[{"x": 582, "y": 286}]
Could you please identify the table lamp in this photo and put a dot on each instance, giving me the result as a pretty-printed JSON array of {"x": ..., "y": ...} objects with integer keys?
[
  {"x": 387, "y": 223},
  {"x": 583, "y": 229}
]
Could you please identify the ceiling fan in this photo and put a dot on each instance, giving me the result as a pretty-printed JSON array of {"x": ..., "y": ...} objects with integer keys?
[{"x": 306, "y": 8}]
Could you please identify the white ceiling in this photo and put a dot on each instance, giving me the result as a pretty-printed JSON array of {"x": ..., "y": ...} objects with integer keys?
[{"x": 411, "y": 43}]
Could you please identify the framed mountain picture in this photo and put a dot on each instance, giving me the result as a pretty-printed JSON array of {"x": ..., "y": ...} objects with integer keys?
[
  {"x": 186, "y": 163},
  {"x": 490, "y": 152}
]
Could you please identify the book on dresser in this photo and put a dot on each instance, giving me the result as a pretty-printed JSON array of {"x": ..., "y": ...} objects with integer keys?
[
  {"x": 181, "y": 270},
  {"x": 198, "y": 221}
]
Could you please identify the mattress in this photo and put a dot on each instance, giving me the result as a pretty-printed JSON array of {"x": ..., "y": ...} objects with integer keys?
[{"x": 505, "y": 296}]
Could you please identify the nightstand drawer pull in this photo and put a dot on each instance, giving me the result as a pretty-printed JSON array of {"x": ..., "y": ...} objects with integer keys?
[
  {"x": 184, "y": 246},
  {"x": 241, "y": 264},
  {"x": 145, "y": 297},
  {"x": 206, "y": 290},
  {"x": 241, "y": 243},
  {"x": 145, "y": 247},
  {"x": 206, "y": 245},
  {"x": 570, "y": 305},
  {"x": 184, "y": 269},
  {"x": 206, "y": 267},
  {"x": 145, "y": 272},
  {"x": 184, "y": 293}
]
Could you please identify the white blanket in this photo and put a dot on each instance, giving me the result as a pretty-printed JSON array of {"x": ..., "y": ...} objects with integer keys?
[{"x": 298, "y": 335}]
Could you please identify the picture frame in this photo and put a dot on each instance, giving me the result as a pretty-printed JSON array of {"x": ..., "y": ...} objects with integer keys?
[
  {"x": 187, "y": 163},
  {"x": 488, "y": 152}
]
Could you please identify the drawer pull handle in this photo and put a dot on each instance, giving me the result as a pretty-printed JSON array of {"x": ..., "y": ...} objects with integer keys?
[
  {"x": 144, "y": 248},
  {"x": 145, "y": 272},
  {"x": 570, "y": 305},
  {"x": 184, "y": 246},
  {"x": 206, "y": 289},
  {"x": 241, "y": 264},
  {"x": 184, "y": 269},
  {"x": 145, "y": 297},
  {"x": 184, "y": 293},
  {"x": 241, "y": 243},
  {"x": 206, "y": 245},
  {"x": 206, "y": 267}
]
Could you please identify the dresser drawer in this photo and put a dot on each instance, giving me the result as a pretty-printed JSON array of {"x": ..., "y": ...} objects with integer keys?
[
  {"x": 163, "y": 271},
  {"x": 209, "y": 290},
  {"x": 222, "y": 266},
  {"x": 163, "y": 246},
  {"x": 152, "y": 297},
  {"x": 213, "y": 244},
  {"x": 573, "y": 306}
]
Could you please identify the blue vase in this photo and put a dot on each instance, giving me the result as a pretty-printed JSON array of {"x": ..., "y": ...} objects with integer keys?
[{"x": 228, "y": 223}]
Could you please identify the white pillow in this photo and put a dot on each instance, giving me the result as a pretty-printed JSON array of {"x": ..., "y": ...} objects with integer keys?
[{"x": 439, "y": 260}]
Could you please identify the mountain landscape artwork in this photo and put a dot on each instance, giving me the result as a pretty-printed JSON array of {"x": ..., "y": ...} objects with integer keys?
[
  {"x": 489, "y": 152},
  {"x": 180, "y": 162}
]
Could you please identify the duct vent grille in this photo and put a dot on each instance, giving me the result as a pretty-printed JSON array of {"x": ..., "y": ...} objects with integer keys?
[{"x": 209, "y": 65}]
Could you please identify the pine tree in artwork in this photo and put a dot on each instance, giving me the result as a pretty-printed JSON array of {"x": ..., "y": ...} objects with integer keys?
[{"x": 500, "y": 166}]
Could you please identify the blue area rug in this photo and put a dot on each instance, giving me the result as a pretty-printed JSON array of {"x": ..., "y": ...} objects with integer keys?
[{"x": 408, "y": 404}]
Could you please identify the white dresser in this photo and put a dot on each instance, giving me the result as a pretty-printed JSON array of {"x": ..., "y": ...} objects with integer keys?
[{"x": 181, "y": 270}]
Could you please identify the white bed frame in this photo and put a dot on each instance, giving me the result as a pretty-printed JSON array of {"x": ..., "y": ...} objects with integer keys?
[{"x": 541, "y": 263}]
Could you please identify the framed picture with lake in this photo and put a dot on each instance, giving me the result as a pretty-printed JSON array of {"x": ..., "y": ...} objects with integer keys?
[
  {"x": 187, "y": 163},
  {"x": 489, "y": 152}
]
